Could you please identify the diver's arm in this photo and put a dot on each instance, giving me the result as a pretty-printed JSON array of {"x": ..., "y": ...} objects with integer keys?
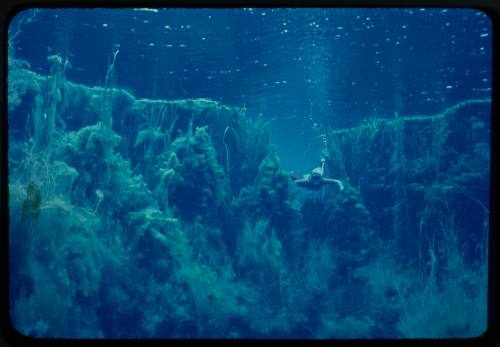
[
  {"x": 302, "y": 182},
  {"x": 332, "y": 181}
]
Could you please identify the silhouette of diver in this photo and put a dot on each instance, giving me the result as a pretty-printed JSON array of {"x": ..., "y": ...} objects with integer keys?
[{"x": 315, "y": 179}]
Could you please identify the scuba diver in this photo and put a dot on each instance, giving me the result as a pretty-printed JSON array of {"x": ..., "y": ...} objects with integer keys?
[{"x": 315, "y": 179}]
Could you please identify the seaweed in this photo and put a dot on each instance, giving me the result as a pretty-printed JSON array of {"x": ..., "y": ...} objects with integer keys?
[
  {"x": 175, "y": 218},
  {"x": 31, "y": 206},
  {"x": 197, "y": 174},
  {"x": 271, "y": 196}
]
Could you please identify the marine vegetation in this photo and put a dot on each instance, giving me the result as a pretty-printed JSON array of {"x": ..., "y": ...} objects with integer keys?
[
  {"x": 141, "y": 218},
  {"x": 31, "y": 206}
]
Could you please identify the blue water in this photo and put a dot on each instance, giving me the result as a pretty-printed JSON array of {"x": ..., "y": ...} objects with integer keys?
[{"x": 160, "y": 172}]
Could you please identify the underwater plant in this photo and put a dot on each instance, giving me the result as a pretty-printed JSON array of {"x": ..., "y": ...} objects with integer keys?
[
  {"x": 31, "y": 206},
  {"x": 197, "y": 174},
  {"x": 271, "y": 196},
  {"x": 175, "y": 218}
]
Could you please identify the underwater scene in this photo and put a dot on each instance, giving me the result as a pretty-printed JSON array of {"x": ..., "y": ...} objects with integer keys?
[{"x": 270, "y": 173}]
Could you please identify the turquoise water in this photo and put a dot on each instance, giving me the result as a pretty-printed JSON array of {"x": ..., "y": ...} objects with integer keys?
[{"x": 162, "y": 179}]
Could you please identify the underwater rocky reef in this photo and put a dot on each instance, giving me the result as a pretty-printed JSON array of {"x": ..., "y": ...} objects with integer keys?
[{"x": 139, "y": 218}]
